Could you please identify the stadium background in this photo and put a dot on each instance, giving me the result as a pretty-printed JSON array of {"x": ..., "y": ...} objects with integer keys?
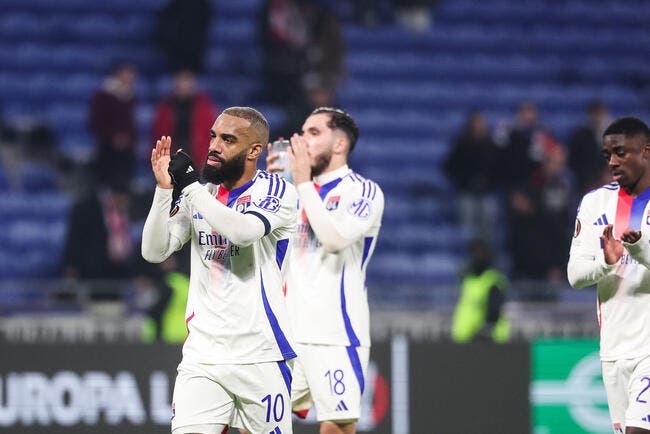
[{"x": 409, "y": 90}]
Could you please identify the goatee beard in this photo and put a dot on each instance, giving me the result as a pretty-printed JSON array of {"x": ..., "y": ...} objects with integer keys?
[
  {"x": 229, "y": 171},
  {"x": 322, "y": 161}
]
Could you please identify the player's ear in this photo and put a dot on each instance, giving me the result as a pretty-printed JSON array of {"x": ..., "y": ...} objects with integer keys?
[
  {"x": 646, "y": 150},
  {"x": 255, "y": 151},
  {"x": 341, "y": 146}
]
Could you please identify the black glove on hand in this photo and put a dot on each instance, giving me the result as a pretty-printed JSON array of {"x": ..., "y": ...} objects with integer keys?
[{"x": 182, "y": 170}]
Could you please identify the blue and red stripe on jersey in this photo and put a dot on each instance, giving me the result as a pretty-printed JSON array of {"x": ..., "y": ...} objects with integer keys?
[
  {"x": 324, "y": 189},
  {"x": 630, "y": 211},
  {"x": 229, "y": 197}
]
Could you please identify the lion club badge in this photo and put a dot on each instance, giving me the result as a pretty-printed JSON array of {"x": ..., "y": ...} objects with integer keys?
[{"x": 332, "y": 203}]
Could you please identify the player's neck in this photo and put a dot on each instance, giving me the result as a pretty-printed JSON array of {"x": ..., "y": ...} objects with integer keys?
[
  {"x": 335, "y": 164},
  {"x": 328, "y": 171},
  {"x": 638, "y": 188},
  {"x": 249, "y": 173},
  {"x": 330, "y": 174}
]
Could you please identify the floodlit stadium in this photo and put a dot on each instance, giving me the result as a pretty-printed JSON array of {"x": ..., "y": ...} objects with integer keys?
[{"x": 481, "y": 125}]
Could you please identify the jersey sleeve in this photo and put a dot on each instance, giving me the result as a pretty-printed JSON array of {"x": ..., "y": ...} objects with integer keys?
[
  {"x": 360, "y": 207},
  {"x": 240, "y": 229},
  {"x": 165, "y": 231},
  {"x": 587, "y": 264},
  {"x": 274, "y": 202}
]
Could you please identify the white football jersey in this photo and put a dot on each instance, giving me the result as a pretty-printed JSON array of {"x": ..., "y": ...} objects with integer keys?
[
  {"x": 236, "y": 309},
  {"x": 624, "y": 287},
  {"x": 326, "y": 293}
]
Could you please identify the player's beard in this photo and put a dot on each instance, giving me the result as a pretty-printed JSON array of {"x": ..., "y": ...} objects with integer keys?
[
  {"x": 230, "y": 170},
  {"x": 322, "y": 161}
]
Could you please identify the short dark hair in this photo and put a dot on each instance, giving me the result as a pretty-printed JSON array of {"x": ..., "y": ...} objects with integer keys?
[
  {"x": 341, "y": 120},
  {"x": 628, "y": 126},
  {"x": 257, "y": 120}
]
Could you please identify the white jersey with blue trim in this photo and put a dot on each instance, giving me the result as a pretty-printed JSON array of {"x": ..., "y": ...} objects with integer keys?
[
  {"x": 624, "y": 287},
  {"x": 325, "y": 288},
  {"x": 236, "y": 311}
]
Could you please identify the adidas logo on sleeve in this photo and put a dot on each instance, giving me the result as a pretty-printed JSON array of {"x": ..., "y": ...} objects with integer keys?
[{"x": 602, "y": 221}]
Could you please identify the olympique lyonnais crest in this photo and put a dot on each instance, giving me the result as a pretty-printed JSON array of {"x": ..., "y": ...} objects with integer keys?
[
  {"x": 332, "y": 203},
  {"x": 243, "y": 203}
]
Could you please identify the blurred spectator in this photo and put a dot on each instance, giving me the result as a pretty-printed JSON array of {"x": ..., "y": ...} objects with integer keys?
[
  {"x": 33, "y": 140},
  {"x": 315, "y": 96},
  {"x": 101, "y": 253},
  {"x": 99, "y": 244},
  {"x": 557, "y": 200},
  {"x": 187, "y": 115},
  {"x": 540, "y": 218},
  {"x": 284, "y": 37},
  {"x": 182, "y": 33},
  {"x": 473, "y": 167},
  {"x": 478, "y": 313},
  {"x": 523, "y": 147},
  {"x": 326, "y": 49},
  {"x": 585, "y": 149},
  {"x": 166, "y": 306},
  {"x": 303, "y": 48},
  {"x": 112, "y": 122}
]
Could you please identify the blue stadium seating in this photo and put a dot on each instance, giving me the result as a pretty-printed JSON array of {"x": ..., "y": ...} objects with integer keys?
[
  {"x": 34, "y": 229},
  {"x": 409, "y": 92},
  {"x": 37, "y": 178},
  {"x": 4, "y": 181}
]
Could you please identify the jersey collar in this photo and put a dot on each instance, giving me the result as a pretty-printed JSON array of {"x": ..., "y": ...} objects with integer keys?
[
  {"x": 331, "y": 176},
  {"x": 228, "y": 197},
  {"x": 327, "y": 181}
]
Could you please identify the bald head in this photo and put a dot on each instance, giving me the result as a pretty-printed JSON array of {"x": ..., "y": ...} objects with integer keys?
[{"x": 258, "y": 122}]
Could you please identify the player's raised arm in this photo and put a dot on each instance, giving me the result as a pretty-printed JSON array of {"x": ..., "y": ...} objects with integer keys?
[
  {"x": 162, "y": 236},
  {"x": 240, "y": 229},
  {"x": 160, "y": 157}
]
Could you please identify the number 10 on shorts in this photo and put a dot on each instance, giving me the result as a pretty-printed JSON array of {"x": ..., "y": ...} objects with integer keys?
[{"x": 276, "y": 404}]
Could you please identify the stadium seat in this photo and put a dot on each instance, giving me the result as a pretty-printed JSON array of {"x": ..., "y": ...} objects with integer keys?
[
  {"x": 37, "y": 178},
  {"x": 409, "y": 92}
]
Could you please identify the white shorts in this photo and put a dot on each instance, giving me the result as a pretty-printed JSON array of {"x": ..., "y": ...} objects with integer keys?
[
  {"x": 332, "y": 378},
  {"x": 627, "y": 383},
  {"x": 256, "y": 395}
]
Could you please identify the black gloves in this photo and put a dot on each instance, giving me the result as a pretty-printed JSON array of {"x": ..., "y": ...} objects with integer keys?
[{"x": 182, "y": 170}]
